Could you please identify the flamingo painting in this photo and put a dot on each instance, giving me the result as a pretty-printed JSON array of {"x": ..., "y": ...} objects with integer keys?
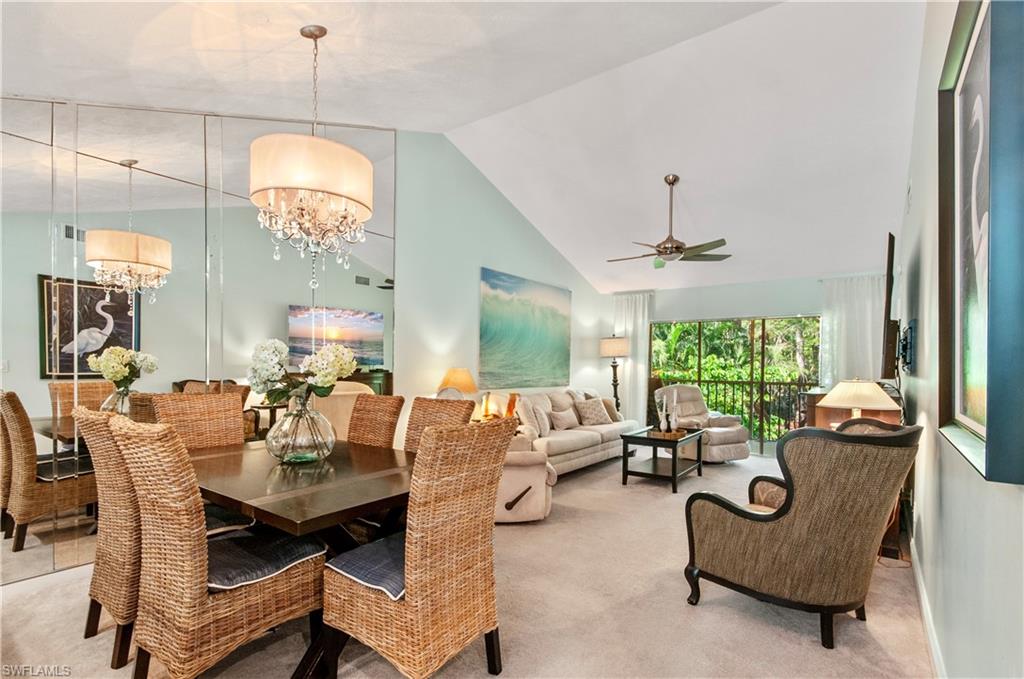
[{"x": 90, "y": 340}]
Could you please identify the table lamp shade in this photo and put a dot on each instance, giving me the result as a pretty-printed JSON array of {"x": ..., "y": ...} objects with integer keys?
[
  {"x": 459, "y": 379},
  {"x": 614, "y": 347},
  {"x": 859, "y": 395}
]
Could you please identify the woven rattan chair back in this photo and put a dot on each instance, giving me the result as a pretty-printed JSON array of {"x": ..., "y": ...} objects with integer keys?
[
  {"x": 449, "y": 551},
  {"x": 22, "y": 443},
  {"x": 374, "y": 420},
  {"x": 115, "y": 574},
  {"x": 140, "y": 408},
  {"x": 843, "y": 488},
  {"x": 91, "y": 394},
  {"x": 172, "y": 582},
  {"x": 202, "y": 420},
  {"x": 428, "y": 412},
  {"x": 5, "y": 464}
]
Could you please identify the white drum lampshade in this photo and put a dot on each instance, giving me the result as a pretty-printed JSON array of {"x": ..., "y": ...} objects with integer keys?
[
  {"x": 614, "y": 347},
  {"x": 122, "y": 250},
  {"x": 857, "y": 395}
]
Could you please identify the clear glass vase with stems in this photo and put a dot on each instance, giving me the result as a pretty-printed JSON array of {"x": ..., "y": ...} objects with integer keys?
[
  {"x": 117, "y": 402},
  {"x": 301, "y": 434}
]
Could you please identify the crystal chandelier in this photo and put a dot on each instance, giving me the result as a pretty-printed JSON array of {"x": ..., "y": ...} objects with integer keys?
[
  {"x": 312, "y": 193},
  {"x": 125, "y": 261}
]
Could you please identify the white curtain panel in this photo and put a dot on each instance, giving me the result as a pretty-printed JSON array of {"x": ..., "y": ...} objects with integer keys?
[
  {"x": 632, "y": 320},
  {"x": 851, "y": 328}
]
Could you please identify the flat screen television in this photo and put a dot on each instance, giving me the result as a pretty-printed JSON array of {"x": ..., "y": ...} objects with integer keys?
[{"x": 890, "y": 328}]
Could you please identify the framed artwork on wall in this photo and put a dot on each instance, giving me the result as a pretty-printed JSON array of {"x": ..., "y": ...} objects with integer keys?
[
  {"x": 525, "y": 332},
  {"x": 360, "y": 331},
  {"x": 64, "y": 347},
  {"x": 981, "y": 238}
]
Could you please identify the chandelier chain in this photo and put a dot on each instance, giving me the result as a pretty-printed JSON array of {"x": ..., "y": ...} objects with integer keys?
[
  {"x": 130, "y": 202},
  {"x": 316, "y": 83}
]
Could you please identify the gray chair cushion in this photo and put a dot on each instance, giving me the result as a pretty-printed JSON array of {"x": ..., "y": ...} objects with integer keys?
[
  {"x": 254, "y": 555},
  {"x": 67, "y": 468},
  {"x": 220, "y": 520},
  {"x": 379, "y": 565}
]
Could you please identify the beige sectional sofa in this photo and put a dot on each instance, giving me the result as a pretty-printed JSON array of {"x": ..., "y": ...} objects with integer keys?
[{"x": 567, "y": 449}]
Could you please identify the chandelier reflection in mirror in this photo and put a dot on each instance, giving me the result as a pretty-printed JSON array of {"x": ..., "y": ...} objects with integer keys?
[
  {"x": 125, "y": 261},
  {"x": 313, "y": 193}
]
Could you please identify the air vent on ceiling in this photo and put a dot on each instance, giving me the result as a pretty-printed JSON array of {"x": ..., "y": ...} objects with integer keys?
[{"x": 362, "y": 280}]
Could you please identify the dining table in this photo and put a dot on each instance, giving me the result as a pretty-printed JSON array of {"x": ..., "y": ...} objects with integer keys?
[{"x": 312, "y": 498}]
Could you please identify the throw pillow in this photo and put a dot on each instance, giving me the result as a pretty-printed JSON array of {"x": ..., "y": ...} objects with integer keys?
[
  {"x": 543, "y": 421},
  {"x": 564, "y": 419},
  {"x": 560, "y": 400},
  {"x": 592, "y": 412},
  {"x": 525, "y": 413},
  {"x": 609, "y": 405}
]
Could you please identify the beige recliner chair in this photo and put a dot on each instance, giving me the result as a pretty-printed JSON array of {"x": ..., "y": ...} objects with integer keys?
[
  {"x": 337, "y": 407},
  {"x": 725, "y": 438},
  {"x": 524, "y": 493}
]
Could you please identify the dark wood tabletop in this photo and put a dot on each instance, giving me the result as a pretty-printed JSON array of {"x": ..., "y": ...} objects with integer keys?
[
  {"x": 59, "y": 428},
  {"x": 353, "y": 481}
]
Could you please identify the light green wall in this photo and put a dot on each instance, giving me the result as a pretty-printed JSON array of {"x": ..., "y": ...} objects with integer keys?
[
  {"x": 790, "y": 297},
  {"x": 968, "y": 542},
  {"x": 256, "y": 293},
  {"x": 450, "y": 221}
]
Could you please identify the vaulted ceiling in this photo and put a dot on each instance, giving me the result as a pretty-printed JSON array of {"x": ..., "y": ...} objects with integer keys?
[{"x": 789, "y": 125}]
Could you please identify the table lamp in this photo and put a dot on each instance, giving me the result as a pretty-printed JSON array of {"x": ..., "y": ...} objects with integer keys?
[
  {"x": 615, "y": 347},
  {"x": 857, "y": 395},
  {"x": 456, "y": 384}
]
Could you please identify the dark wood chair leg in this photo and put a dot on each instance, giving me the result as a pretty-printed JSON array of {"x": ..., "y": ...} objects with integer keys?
[
  {"x": 310, "y": 659},
  {"x": 692, "y": 574},
  {"x": 92, "y": 620},
  {"x": 316, "y": 623},
  {"x": 7, "y": 524},
  {"x": 862, "y": 614},
  {"x": 826, "y": 631},
  {"x": 20, "y": 530},
  {"x": 141, "y": 664},
  {"x": 493, "y": 643},
  {"x": 122, "y": 645}
]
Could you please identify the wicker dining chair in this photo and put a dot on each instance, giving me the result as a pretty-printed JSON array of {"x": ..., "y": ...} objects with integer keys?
[
  {"x": 140, "y": 407},
  {"x": 39, "y": 490},
  {"x": 374, "y": 420},
  {"x": 202, "y": 420},
  {"x": 420, "y": 597},
  {"x": 91, "y": 394},
  {"x": 250, "y": 416},
  {"x": 198, "y": 599},
  {"x": 428, "y": 412},
  {"x": 6, "y": 522},
  {"x": 816, "y": 552}
]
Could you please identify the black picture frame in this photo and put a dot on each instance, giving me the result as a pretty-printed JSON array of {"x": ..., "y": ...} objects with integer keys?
[{"x": 124, "y": 328}]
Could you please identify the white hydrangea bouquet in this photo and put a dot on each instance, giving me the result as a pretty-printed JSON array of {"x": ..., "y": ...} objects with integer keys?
[
  {"x": 122, "y": 367},
  {"x": 302, "y": 434}
]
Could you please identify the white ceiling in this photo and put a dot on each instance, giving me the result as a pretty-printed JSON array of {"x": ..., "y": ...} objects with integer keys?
[
  {"x": 420, "y": 66},
  {"x": 789, "y": 125},
  {"x": 790, "y": 131}
]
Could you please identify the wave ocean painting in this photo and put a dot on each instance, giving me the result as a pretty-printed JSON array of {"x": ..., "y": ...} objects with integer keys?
[{"x": 524, "y": 332}]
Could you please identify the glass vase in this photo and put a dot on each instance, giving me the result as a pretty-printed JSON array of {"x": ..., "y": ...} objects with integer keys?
[
  {"x": 117, "y": 402},
  {"x": 301, "y": 435}
]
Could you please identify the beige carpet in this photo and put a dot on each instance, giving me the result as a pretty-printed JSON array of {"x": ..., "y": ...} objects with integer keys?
[{"x": 597, "y": 590}]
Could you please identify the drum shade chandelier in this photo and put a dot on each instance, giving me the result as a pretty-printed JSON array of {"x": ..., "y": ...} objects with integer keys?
[
  {"x": 313, "y": 193},
  {"x": 125, "y": 261}
]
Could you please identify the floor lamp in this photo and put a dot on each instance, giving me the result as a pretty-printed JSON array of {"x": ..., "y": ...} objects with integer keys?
[{"x": 614, "y": 348}]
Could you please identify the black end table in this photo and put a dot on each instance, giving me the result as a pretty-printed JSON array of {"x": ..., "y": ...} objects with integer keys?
[{"x": 660, "y": 467}]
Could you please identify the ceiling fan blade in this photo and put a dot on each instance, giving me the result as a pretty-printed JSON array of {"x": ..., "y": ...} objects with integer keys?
[
  {"x": 704, "y": 247},
  {"x": 703, "y": 258},
  {"x": 646, "y": 245},
  {"x": 623, "y": 259}
]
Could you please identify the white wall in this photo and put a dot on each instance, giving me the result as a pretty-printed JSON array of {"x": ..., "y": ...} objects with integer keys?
[
  {"x": 968, "y": 540},
  {"x": 257, "y": 292},
  {"x": 790, "y": 297},
  {"x": 450, "y": 221}
]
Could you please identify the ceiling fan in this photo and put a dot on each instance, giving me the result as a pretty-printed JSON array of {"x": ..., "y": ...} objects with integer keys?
[{"x": 671, "y": 249}]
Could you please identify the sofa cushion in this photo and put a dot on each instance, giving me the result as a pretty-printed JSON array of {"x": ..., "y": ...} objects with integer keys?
[
  {"x": 560, "y": 400},
  {"x": 540, "y": 400},
  {"x": 716, "y": 436},
  {"x": 565, "y": 441},
  {"x": 524, "y": 411},
  {"x": 564, "y": 419},
  {"x": 613, "y": 414},
  {"x": 612, "y": 430},
  {"x": 379, "y": 565},
  {"x": 253, "y": 555},
  {"x": 592, "y": 412},
  {"x": 543, "y": 421}
]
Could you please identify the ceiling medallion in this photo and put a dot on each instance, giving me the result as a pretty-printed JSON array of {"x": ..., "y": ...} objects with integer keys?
[
  {"x": 125, "y": 261},
  {"x": 313, "y": 193}
]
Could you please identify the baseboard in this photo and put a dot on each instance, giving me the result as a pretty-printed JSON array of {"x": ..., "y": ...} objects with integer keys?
[{"x": 938, "y": 665}]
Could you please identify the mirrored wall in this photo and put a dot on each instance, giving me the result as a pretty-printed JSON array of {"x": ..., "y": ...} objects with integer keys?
[{"x": 64, "y": 174}]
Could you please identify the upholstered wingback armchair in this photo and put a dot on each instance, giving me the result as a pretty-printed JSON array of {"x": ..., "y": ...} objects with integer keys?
[
  {"x": 725, "y": 437},
  {"x": 816, "y": 551}
]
